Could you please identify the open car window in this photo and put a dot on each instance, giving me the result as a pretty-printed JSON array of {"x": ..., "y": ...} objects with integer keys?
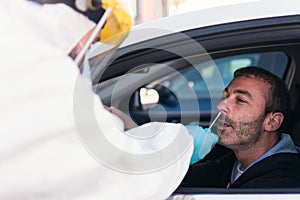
[
  {"x": 198, "y": 76},
  {"x": 189, "y": 95}
]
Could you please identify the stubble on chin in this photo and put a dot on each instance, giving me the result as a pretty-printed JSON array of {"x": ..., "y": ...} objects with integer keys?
[{"x": 242, "y": 135}]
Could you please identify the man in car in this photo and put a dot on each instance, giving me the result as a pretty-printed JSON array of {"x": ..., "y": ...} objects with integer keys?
[{"x": 255, "y": 105}]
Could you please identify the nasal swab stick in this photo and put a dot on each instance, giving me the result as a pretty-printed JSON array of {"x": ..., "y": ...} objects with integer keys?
[{"x": 211, "y": 125}]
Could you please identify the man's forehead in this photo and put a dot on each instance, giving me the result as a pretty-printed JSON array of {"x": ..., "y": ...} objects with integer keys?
[
  {"x": 249, "y": 80},
  {"x": 248, "y": 84}
]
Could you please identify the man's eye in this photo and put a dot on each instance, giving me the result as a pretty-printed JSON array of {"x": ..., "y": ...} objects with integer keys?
[{"x": 240, "y": 100}]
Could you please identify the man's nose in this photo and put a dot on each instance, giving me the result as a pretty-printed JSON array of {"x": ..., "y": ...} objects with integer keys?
[{"x": 222, "y": 106}]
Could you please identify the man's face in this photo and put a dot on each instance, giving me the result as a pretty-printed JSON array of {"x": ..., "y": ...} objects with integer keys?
[{"x": 244, "y": 105}]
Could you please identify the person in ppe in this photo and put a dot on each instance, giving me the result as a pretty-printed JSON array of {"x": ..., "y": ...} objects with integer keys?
[{"x": 57, "y": 141}]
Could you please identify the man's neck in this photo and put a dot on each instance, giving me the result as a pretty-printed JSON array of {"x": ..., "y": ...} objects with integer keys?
[{"x": 248, "y": 155}]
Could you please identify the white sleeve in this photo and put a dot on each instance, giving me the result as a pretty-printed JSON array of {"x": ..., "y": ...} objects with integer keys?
[{"x": 146, "y": 155}]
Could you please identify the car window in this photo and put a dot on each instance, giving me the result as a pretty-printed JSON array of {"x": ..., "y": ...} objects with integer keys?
[
  {"x": 181, "y": 92},
  {"x": 193, "y": 80}
]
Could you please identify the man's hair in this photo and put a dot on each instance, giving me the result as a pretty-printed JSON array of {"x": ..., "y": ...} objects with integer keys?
[{"x": 277, "y": 98}]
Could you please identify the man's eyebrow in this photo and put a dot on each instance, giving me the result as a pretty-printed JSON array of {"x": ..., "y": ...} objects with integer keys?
[{"x": 244, "y": 92}]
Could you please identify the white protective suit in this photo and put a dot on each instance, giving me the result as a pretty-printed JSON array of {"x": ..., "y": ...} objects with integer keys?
[{"x": 42, "y": 110}]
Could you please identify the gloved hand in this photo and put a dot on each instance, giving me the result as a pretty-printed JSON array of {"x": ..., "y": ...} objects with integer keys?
[{"x": 204, "y": 141}]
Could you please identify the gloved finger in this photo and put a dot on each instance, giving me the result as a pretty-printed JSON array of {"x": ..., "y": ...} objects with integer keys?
[
  {"x": 204, "y": 141},
  {"x": 209, "y": 140}
]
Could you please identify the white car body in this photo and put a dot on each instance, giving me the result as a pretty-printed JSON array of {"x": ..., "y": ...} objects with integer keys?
[{"x": 213, "y": 16}]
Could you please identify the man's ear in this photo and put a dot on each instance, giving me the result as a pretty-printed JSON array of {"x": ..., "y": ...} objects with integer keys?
[{"x": 273, "y": 121}]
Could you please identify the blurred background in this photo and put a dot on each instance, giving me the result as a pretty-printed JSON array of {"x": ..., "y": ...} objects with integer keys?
[{"x": 147, "y": 10}]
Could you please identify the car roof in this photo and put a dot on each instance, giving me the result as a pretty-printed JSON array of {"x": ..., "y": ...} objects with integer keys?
[{"x": 212, "y": 16}]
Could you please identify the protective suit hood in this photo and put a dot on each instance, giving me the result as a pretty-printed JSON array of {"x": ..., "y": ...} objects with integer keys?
[{"x": 65, "y": 28}]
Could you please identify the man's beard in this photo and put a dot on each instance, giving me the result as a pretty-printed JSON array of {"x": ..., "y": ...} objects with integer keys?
[{"x": 243, "y": 134}]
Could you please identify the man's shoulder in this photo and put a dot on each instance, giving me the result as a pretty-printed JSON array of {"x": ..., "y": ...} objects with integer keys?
[
  {"x": 283, "y": 162},
  {"x": 276, "y": 171},
  {"x": 283, "y": 159}
]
